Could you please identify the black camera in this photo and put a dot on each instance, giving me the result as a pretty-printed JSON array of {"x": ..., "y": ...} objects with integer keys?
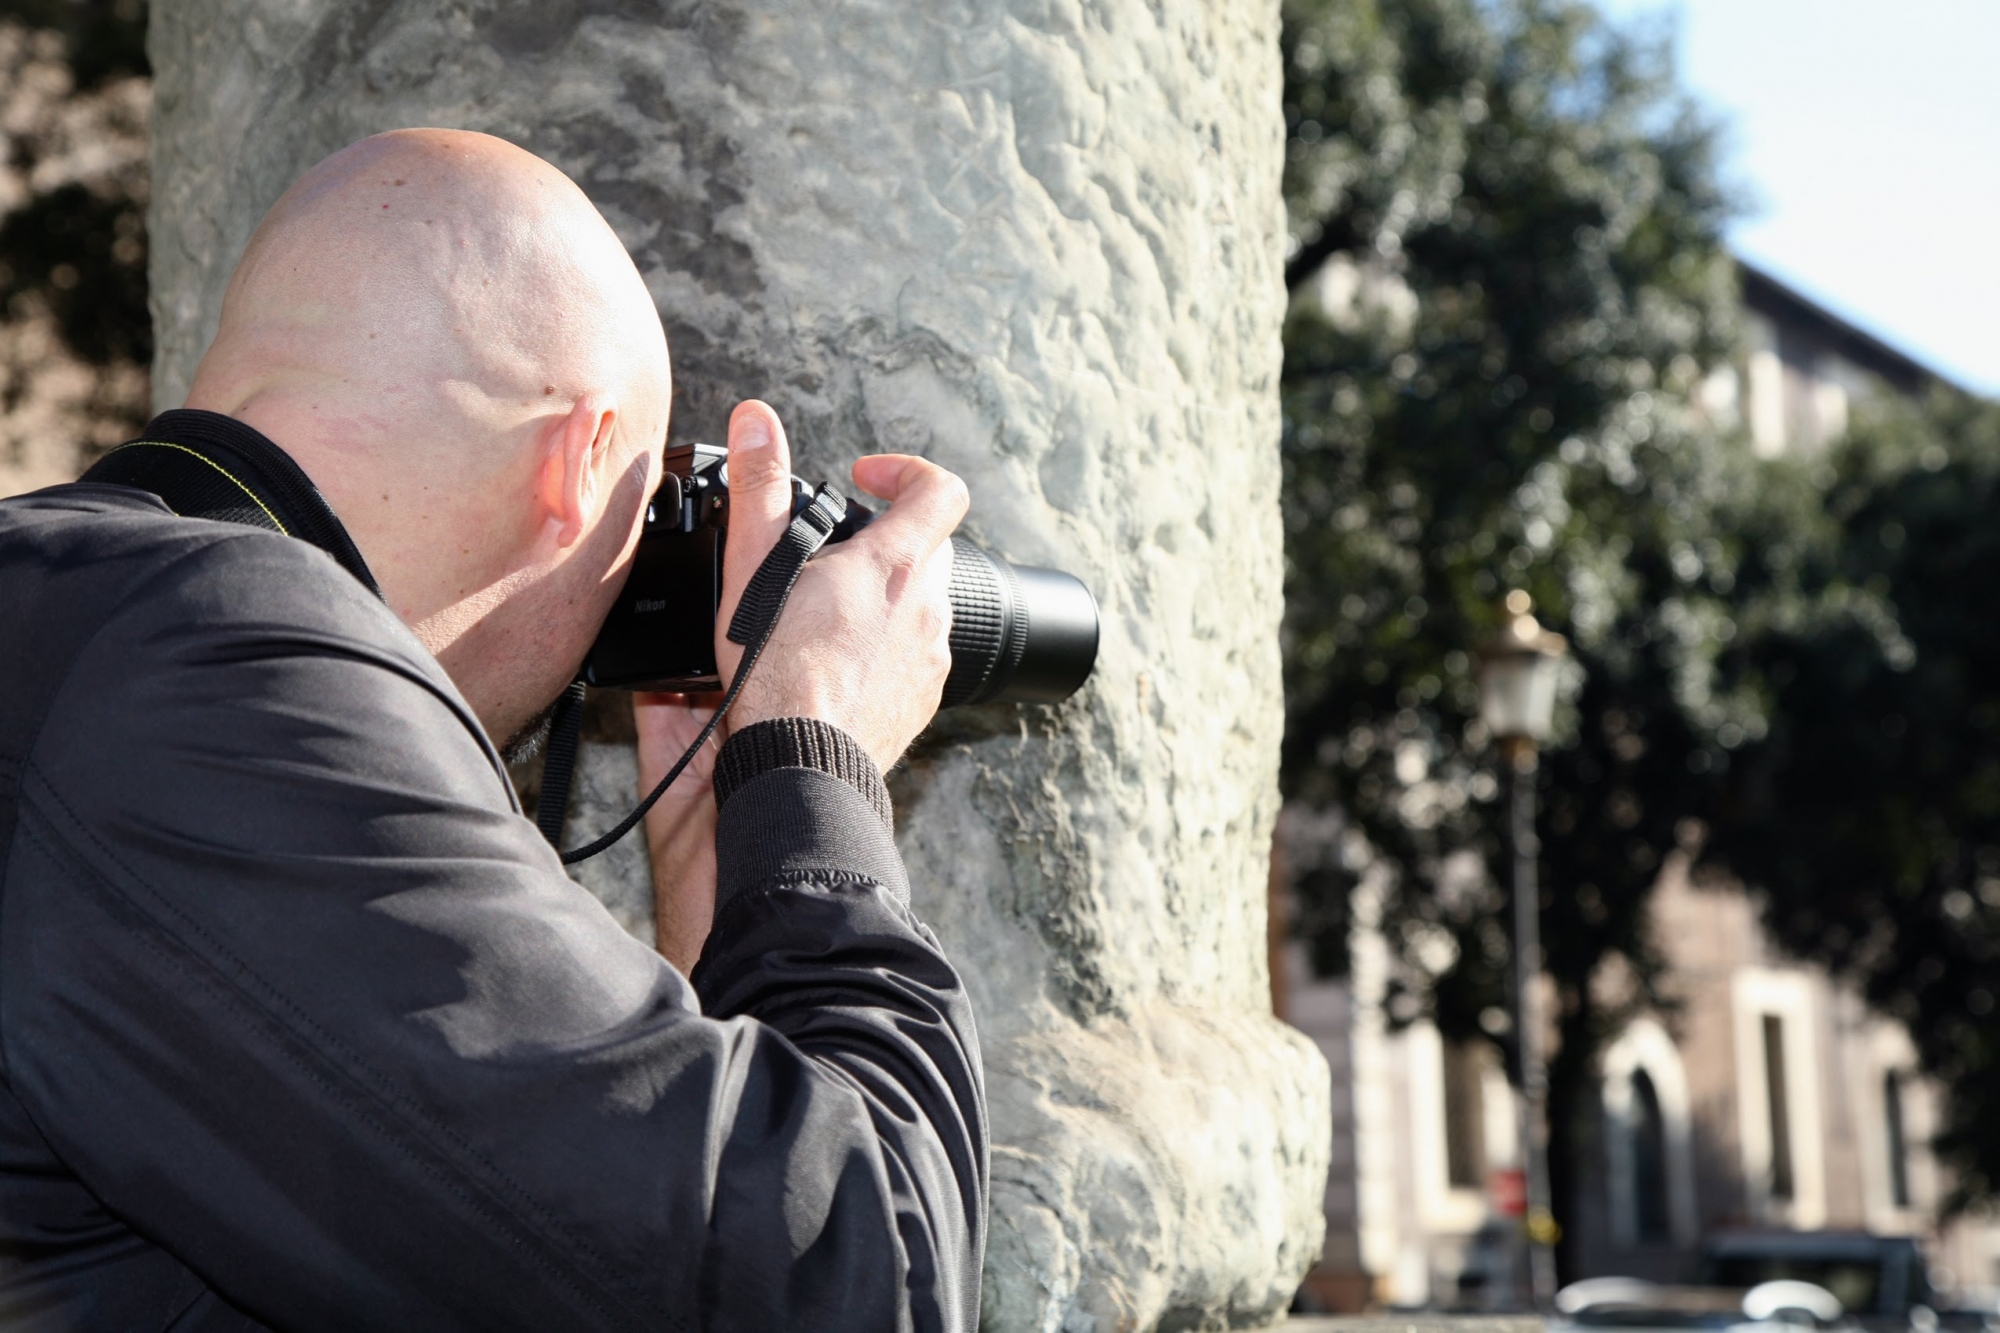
[{"x": 1018, "y": 634}]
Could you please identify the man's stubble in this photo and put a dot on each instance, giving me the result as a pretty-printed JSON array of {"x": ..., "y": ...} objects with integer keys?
[{"x": 526, "y": 743}]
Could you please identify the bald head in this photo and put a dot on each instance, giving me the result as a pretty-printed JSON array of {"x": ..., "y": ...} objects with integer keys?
[
  {"x": 437, "y": 273},
  {"x": 445, "y": 334}
]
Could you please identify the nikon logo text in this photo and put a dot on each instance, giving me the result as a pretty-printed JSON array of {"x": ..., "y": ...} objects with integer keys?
[{"x": 645, "y": 604}]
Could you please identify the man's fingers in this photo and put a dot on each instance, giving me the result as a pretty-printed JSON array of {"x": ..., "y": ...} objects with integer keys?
[
  {"x": 760, "y": 496},
  {"x": 881, "y": 475},
  {"x": 926, "y": 502}
]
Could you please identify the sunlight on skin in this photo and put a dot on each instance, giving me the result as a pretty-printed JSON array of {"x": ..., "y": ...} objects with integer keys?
[{"x": 445, "y": 334}]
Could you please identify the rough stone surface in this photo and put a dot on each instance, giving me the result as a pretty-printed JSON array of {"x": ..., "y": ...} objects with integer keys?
[
  {"x": 1039, "y": 242},
  {"x": 607, "y": 773}
]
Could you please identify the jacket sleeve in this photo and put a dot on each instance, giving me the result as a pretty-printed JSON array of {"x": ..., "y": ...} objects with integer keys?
[{"x": 288, "y": 981}]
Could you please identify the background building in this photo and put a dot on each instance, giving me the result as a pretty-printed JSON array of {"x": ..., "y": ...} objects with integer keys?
[{"x": 1770, "y": 1097}]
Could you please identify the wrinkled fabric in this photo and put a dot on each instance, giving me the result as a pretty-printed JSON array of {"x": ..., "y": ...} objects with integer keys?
[{"x": 303, "y": 1027}]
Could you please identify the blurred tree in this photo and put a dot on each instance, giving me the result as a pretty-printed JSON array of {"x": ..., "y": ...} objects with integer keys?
[
  {"x": 1508, "y": 281},
  {"x": 1869, "y": 816},
  {"x": 77, "y": 338},
  {"x": 102, "y": 40}
]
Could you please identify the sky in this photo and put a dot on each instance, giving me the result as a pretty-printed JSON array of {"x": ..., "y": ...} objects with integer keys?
[{"x": 1866, "y": 135}]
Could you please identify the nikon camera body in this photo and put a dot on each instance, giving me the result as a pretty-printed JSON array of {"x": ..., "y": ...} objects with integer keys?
[{"x": 1018, "y": 633}]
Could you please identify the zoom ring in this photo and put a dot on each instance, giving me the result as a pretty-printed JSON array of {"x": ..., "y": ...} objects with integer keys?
[{"x": 979, "y": 624}]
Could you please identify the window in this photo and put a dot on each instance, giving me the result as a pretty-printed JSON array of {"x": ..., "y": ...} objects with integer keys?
[
  {"x": 1649, "y": 1161},
  {"x": 1465, "y": 1114},
  {"x": 1783, "y": 1185},
  {"x": 1899, "y": 1148},
  {"x": 1650, "y": 1169},
  {"x": 1777, "y": 1018}
]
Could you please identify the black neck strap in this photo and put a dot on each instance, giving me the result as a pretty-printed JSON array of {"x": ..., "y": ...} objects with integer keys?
[{"x": 206, "y": 465}]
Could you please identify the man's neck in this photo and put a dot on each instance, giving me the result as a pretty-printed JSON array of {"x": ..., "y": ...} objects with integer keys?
[
  {"x": 206, "y": 465},
  {"x": 430, "y": 544},
  {"x": 424, "y": 551}
]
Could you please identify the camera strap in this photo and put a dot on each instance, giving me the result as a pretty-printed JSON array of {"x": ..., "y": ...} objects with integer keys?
[
  {"x": 764, "y": 598},
  {"x": 203, "y": 465}
]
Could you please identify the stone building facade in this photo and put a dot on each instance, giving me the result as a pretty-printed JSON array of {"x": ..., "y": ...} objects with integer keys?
[{"x": 1773, "y": 1099}]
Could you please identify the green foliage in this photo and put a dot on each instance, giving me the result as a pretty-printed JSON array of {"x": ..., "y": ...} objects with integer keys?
[
  {"x": 1509, "y": 276},
  {"x": 1507, "y": 281},
  {"x": 1869, "y": 816}
]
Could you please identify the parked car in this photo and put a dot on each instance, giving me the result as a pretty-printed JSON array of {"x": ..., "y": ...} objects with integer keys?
[
  {"x": 1970, "y": 1310},
  {"x": 1632, "y": 1306},
  {"x": 1881, "y": 1281}
]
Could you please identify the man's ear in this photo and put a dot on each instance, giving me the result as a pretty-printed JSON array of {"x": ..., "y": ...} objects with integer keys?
[{"x": 573, "y": 455}]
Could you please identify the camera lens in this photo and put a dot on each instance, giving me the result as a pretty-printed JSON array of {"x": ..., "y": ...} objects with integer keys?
[{"x": 1019, "y": 634}]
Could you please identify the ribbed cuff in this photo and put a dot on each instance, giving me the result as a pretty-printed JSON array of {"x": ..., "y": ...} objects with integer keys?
[
  {"x": 799, "y": 742},
  {"x": 800, "y": 827}
]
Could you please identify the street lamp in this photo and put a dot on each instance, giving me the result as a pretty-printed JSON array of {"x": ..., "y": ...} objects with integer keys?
[{"x": 1518, "y": 668}]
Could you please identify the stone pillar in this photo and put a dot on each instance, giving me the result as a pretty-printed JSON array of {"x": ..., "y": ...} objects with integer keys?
[{"x": 1038, "y": 241}]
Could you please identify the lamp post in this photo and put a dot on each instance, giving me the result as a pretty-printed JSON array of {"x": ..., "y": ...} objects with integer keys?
[{"x": 1517, "y": 695}]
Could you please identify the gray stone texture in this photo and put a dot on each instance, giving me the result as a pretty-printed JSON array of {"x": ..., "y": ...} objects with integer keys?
[
  {"x": 607, "y": 773},
  {"x": 1038, "y": 242}
]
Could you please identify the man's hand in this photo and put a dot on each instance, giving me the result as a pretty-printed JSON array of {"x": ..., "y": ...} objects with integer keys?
[
  {"x": 680, "y": 828},
  {"x": 864, "y": 642}
]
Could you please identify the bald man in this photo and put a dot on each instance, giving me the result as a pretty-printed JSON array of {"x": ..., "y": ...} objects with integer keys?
[{"x": 302, "y": 1026}]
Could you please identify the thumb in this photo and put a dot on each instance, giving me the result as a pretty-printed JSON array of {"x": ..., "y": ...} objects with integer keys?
[{"x": 760, "y": 509}]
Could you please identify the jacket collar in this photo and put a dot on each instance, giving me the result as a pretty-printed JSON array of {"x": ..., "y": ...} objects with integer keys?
[{"x": 206, "y": 465}]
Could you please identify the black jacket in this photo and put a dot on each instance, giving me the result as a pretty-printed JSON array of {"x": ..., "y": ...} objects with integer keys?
[{"x": 302, "y": 1025}]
